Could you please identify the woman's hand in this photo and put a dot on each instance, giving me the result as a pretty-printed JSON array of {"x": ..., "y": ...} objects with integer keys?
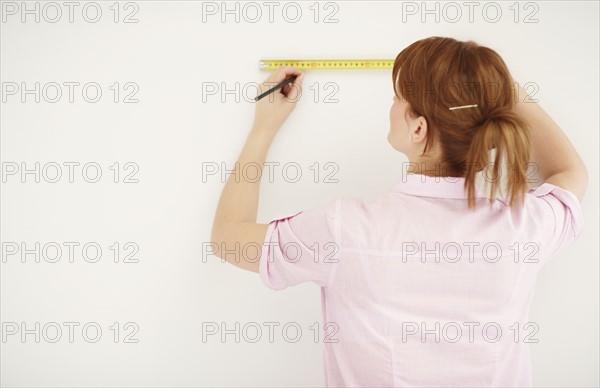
[{"x": 273, "y": 109}]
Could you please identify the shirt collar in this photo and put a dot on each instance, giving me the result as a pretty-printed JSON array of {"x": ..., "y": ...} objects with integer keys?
[{"x": 430, "y": 186}]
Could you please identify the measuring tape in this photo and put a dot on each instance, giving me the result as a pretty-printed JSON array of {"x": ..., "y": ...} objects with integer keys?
[{"x": 328, "y": 64}]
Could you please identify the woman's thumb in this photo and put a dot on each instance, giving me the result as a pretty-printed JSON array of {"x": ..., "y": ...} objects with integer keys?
[{"x": 296, "y": 89}]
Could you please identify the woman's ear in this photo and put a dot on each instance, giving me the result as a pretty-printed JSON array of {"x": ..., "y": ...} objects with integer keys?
[{"x": 421, "y": 130}]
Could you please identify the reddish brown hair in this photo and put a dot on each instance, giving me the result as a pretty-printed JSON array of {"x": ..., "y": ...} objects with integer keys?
[{"x": 440, "y": 72}]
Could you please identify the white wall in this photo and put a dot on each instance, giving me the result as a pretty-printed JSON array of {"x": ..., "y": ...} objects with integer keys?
[{"x": 170, "y": 54}]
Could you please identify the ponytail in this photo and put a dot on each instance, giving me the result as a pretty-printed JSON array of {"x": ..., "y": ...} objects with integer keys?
[{"x": 508, "y": 137}]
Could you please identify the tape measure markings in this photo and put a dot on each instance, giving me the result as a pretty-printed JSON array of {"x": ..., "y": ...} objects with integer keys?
[{"x": 328, "y": 64}]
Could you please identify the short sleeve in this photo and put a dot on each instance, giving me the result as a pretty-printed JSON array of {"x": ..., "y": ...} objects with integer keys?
[
  {"x": 562, "y": 218},
  {"x": 301, "y": 246}
]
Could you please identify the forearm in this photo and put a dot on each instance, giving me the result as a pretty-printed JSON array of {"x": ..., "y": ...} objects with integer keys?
[
  {"x": 552, "y": 152},
  {"x": 239, "y": 198}
]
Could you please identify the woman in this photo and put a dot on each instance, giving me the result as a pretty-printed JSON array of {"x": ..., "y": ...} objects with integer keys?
[{"x": 430, "y": 284}]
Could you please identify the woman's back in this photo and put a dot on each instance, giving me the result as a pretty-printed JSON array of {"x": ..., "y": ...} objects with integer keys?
[{"x": 418, "y": 291}]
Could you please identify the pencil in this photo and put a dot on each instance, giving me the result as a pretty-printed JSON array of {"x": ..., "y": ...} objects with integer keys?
[{"x": 282, "y": 84}]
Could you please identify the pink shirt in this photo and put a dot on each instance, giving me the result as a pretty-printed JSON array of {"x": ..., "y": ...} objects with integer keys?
[{"x": 421, "y": 291}]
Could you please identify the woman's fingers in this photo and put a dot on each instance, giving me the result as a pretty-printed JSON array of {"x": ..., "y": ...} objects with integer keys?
[
  {"x": 284, "y": 72},
  {"x": 281, "y": 74}
]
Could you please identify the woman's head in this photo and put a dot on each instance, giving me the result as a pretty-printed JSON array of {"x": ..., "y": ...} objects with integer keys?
[{"x": 437, "y": 73}]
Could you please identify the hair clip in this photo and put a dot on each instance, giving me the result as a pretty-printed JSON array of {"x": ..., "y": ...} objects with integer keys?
[{"x": 463, "y": 106}]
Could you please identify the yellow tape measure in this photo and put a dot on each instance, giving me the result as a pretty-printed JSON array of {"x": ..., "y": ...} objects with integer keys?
[{"x": 328, "y": 64}]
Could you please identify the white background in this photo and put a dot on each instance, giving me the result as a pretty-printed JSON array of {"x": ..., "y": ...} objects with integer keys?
[{"x": 171, "y": 54}]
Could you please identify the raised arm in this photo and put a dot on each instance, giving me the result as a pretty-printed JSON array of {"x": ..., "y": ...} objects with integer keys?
[{"x": 557, "y": 160}]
